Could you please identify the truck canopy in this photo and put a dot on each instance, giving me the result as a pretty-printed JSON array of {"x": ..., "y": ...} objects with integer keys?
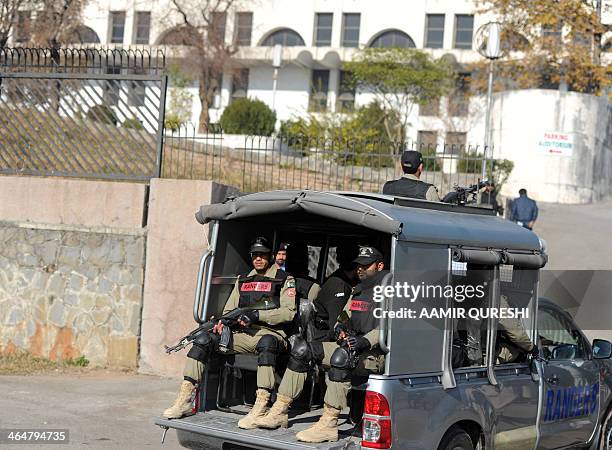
[{"x": 414, "y": 220}]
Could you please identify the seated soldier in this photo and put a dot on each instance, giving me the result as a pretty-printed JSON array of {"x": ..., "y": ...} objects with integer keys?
[
  {"x": 513, "y": 342},
  {"x": 260, "y": 332},
  {"x": 296, "y": 265},
  {"x": 354, "y": 353}
]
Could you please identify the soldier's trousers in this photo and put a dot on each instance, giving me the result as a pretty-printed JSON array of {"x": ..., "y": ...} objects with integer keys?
[
  {"x": 243, "y": 343},
  {"x": 337, "y": 392}
]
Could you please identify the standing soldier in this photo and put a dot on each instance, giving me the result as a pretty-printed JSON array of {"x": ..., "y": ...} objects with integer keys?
[
  {"x": 410, "y": 184},
  {"x": 260, "y": 332},
  {"x": 357, "y": 339}
]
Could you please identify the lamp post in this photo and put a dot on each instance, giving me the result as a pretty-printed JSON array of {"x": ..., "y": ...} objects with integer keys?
[
  {"x": 489, "y": 45},
  {"x": 277, "y": 59}
]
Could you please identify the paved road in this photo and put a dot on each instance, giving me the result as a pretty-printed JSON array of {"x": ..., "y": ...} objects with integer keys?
[
  {"x": 100, "y": 409},
  {"x": 578, "y": 236}
]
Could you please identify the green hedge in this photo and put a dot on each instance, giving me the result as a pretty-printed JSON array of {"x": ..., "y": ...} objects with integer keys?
[{"x": 247, "y": 116}]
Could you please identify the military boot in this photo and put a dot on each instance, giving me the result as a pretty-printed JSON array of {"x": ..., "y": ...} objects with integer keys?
[
  {"x": 183, "y": 403},
  {"x": 326, "y": 429},
  {"x": 259, "y": 409},
  {"x": 278, "y": 416}
]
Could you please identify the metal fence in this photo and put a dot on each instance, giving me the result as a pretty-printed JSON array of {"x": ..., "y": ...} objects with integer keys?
[
  {"x": 297, "y": 162},
  {"x": 82, "y": 112}
]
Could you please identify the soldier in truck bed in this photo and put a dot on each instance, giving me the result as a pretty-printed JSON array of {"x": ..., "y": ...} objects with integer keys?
[
  {"x": 410, "y": 184},
  {"x": 359, "y": 336},
  {"x": 260, "y": 332}
]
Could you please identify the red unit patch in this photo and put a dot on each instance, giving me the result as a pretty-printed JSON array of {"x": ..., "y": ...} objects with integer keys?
[
  {"x": 360, "y": 305},
  {"x": 256, "y": 286}
]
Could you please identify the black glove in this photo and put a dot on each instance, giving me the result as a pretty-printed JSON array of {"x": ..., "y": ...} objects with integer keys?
[
  {"x": 338, "y": 328},
  {"x": 358, "y": 343},
  {"x": 534, "y": 353},
  {"x": 249, "y": 317}
]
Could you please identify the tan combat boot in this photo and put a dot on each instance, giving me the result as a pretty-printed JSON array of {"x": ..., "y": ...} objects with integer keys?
[
  {"x": 326, "y": 429},
  {"x": 278, "y": 416},
  {"x": 183, "y": 403},
  {"x": 259, "y": 409}
]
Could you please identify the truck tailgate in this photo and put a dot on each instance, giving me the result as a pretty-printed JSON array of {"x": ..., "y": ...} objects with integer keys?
[{"x": 219, "y": 430}]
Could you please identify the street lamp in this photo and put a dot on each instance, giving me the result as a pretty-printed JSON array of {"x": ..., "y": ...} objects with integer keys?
[
  {"x": 277, "y": 59},
  {"x": 488, "y": 44}
]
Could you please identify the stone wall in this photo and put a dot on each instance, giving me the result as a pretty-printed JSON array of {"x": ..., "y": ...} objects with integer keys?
[{"x": 67, "y": 292}]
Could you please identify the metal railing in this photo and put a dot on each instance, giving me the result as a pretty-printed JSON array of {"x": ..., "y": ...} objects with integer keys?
[
  {"x": 81, "y": 113},
  {"x": 298, "y": 162}
]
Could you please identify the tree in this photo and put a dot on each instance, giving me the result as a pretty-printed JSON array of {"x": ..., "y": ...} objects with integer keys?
[
  {"x": 8, "y": 17},
  {"x": 549, "y": 43},
  {"x": 202, "y": 28},
  {"x": 400, "y": 78},
  {"x": 54, "y": 23}
]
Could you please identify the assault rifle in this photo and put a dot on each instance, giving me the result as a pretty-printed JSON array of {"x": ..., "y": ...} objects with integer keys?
[
  {"x": 344, "y": 325},
  {"x": 229, "y": 320},
  {"x": 459, "y": 196}
]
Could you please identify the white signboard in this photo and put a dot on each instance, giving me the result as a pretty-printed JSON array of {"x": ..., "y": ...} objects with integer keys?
[{"x": 555, "y": 143}]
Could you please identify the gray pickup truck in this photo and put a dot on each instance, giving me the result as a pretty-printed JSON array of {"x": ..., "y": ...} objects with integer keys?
[{"x": 559, "y": 396}]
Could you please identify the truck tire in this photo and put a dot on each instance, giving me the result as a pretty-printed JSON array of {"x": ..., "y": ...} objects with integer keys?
[
  {"x": 456, "y": 439},
  {"x": 605, "y": 443}
]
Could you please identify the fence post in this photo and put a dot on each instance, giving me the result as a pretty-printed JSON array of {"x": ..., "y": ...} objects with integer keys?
[{"x": 161, "y": 124}]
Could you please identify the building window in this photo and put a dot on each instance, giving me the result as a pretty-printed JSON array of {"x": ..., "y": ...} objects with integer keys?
[
  {"x": 323, "y": 29},
  {"x": 285, "y": 37},
  {"x": 464, "y": 29},
  {"x": 142, "y": 27},
  {"x": 350, "y": 29},
  {"x": 24, "y": 29},
  {"x": 217, "y": 27},
  {"x": 240, "y": 83},
  {"x": 455, "y": 143},
  {"x": 459, "y": 100},
  {"x": 346, "y": 93},
  {"x": 434, "y": 34},
  {"x": 393, "y": 38},
  {"x": 432, "y": 108},
  {"x": 427, "y": 140},
  {"x": 112, "y": 88},
  {"x": 137, "y": 90},
  {"x": 244, "y": 28},
  {"x": 318, "y": 91},
  {"x": 117, "y": 26},
  {"x": 552, "y": 33}
]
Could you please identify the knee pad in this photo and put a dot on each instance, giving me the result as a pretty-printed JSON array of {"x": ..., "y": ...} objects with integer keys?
[
  {"x": 203, "y": 346},
  {"x": 340, "y": 366},
  {"x": 267, "y": 348},
  {"x": 300, "y": 356}
]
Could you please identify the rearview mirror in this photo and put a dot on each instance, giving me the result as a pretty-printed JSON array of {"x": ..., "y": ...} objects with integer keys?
[
  {"x": 564, "y": 351},
  {"x": 602, "y": 349}
]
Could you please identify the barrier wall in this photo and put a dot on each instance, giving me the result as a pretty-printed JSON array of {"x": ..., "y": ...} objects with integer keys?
[{"x": 71, "y": 268}]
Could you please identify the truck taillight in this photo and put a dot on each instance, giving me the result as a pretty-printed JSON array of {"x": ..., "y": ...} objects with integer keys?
[{"x": 376, "y": 421}]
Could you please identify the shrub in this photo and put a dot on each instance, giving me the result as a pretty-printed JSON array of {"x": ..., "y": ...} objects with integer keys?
[
  {"x": 173, "y": 122},
  {"x": 133, "y": 123},
  {"x": 103, "y": 114},
  {"x": 247, "y": 116}
]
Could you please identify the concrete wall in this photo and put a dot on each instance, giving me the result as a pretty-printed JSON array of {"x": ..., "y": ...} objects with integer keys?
[
  {"x": 521, "y": 118},
  {"x": 71, "y": 268},
  {"x": 175, "y": 243},
  {"x": 66, "y": 293}
]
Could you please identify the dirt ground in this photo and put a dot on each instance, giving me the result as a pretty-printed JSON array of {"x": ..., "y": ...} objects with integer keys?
[{"x": 99, "y": 408}]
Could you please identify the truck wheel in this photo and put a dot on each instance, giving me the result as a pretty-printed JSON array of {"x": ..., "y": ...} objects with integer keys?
[
  {"x": 456, "y": 439},
  {"x": 606, "y": 433}
]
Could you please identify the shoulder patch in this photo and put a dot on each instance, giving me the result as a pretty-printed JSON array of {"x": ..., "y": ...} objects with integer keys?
[
  {"x": 291, "y": 292},
  {"x": 291, "y": 283}
]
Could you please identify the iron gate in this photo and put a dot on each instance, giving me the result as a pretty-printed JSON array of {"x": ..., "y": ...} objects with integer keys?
[{"x": 82, "y": 112}]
